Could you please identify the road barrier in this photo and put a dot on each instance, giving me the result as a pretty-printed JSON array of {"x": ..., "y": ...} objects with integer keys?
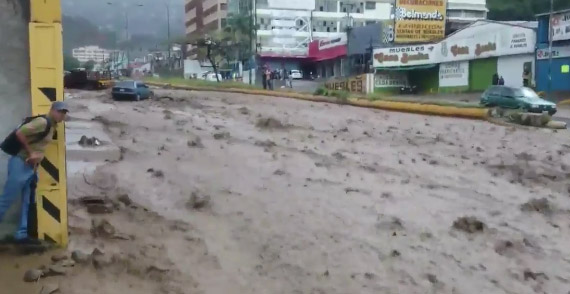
[{"x": 411, "y": 107}]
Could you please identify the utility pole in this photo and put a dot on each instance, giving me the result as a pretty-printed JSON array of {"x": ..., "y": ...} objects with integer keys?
[
  {"x": 252, "y": 13},
  {"x": 127, "y": 36},
  {"x": 348, "y": 29},
  {"x": 550, "y": 35},
  {"x": 126, "y": 28},
  {"x": 168, "y": 28}
]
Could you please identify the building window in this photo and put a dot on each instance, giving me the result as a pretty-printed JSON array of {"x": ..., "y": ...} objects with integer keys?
[
  {"x": 261, "y": 20},
  {"x": 328, "y": 29},
  {"x": 344, "y": 9},
  {"x": 301, "y": 22},
  {"x": 321, "y": 8},
  {"x": 324, "y": 23},
  {"x": 357, "y": 10},
  {"x": 223, "y": 6},
  {"x": 224, "y": 22},
  {"x": 370, "y": 5}
]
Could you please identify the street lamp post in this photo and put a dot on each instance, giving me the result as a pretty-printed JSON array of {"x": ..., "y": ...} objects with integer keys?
[
  {"x": 126, "y": 28},
  {"x": 348, "y": 29},
  {"x": 168, "y": 33},
  {"x": 550, "y": 35}
]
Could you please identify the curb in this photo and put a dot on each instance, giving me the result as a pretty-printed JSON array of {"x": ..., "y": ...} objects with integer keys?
[{"x": 428, "y": 109}]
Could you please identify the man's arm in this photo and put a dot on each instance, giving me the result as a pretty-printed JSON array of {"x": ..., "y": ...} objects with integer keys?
[
  {"x": 34, "y": 127},
  {"x": 22, "y": 138}
]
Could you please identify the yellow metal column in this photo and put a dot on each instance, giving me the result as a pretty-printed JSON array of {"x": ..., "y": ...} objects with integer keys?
[{"x": 46, "y": 68}]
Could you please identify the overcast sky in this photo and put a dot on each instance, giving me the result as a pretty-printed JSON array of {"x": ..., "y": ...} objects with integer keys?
[{"x": 150, "y": 18}]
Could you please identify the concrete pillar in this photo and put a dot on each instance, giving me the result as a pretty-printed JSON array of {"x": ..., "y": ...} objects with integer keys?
[{"x": 14, "y": 83}]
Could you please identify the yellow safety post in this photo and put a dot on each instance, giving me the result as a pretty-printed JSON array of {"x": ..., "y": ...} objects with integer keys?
[{"x": 46, "y": 71}]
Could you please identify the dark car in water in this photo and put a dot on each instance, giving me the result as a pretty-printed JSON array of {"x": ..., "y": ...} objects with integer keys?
[
  {"x": 131, "y": 90},
  {"x": 523, "y": 98}
]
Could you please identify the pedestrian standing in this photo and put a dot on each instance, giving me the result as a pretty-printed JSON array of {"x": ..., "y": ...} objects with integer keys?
[
  {"x": 27, "y": 145},
  {"x": 290, "y": 78},
  {"x": 501, "y": 81}
]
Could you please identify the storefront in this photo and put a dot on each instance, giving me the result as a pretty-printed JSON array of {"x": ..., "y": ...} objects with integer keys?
[
  {"x": 465, "y": 61},
  {"x": 559, "y": 68},
  {"x": 413, "y": 65},
  {"x": 328, "y": 56}
]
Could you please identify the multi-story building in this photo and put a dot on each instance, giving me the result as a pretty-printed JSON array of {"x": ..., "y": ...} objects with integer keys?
[
  {"x": 204, "y": 16},
  {"x": 84, "y": 54},
  {"x": 460, "y": 13},
  {"x": 287, "y": 29}
]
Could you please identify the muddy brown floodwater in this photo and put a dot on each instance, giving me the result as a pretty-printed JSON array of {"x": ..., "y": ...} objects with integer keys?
[{"x": 230, "y": 193}]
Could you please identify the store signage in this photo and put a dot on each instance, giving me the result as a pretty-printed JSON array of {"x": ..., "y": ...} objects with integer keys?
[
  {"x": 419, "y": 20},
  {"x": 454, "y": 74},
  {"x": 408, "y": 55},
  {"x": 557, "y": 52},
  {"x": 390, "y": 80},
  {"x": 561, "y": 26},
  {"x": 332, "y": 42},
  {"x": 482, "y": 48},
  {"x": 356, "y": 84}
]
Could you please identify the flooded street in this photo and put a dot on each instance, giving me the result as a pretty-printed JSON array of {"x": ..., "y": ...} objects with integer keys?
[{"x": 230, "y": 193}]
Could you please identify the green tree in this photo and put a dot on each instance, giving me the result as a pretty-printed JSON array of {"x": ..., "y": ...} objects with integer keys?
[
  {"x": 70, "y": 62},
  {"x": 89, "y": 65},
  {"x": 522, "y": 9}
]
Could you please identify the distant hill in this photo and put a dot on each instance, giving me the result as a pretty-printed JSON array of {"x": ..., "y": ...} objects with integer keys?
[
  {"x": 149, "y": 19},
  {"x": 522, "y": 9}
]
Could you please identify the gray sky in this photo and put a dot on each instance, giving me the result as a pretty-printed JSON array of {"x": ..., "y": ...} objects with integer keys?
[{"x": 150, "y": 18}]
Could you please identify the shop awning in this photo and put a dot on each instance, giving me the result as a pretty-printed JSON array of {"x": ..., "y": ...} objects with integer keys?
[{"x": 423, "y": 66}]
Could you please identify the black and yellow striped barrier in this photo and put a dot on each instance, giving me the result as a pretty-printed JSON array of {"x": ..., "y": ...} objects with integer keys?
[{"x": 46, "y": 71}]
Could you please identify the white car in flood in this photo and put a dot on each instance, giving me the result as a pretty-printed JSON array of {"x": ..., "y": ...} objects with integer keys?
[{"x": 296, "y": 74}]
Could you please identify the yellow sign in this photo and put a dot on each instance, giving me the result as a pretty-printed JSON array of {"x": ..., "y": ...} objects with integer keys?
[
  {"x": 565, "y": 68},
  {"x": 420, "y": 20},
  {"x": 355, "y": 84}
]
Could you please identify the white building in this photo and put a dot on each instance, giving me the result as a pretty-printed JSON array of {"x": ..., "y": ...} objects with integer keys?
[
  {"x": 287, "y": 26},
  {"x": 463, "y": 12},
  {"x": 84, "y": 54}
]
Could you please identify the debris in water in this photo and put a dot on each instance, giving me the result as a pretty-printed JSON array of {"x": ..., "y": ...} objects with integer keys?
[
  {"x": 269, "y": 123},
  {"x": 469, "y": 225},
  {"x": 89, "y": 142},
  {"x": 198, "y": 200},
  {"x": 541, "y": 205}
]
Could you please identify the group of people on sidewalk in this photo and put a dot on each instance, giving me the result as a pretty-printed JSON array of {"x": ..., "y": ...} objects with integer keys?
[
  {"x": 269, "y": 78},
  {"x": 26, "y": 146}
]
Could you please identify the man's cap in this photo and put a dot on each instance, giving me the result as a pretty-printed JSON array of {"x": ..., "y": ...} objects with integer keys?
[{"x": 59, "y": 106}]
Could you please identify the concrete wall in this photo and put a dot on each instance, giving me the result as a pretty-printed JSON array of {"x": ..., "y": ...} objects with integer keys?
[
  {"x": 511, "y": 68},
  {"x": 14, "y": 81}
]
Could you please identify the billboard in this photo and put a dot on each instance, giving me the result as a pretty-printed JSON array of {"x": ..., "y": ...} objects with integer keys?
[
  {"x": 561, "y": 26},
  {"x": 419, "y": 20},
  {"x": 292, "y": 4},
  {"x": 407, "y": 55}
]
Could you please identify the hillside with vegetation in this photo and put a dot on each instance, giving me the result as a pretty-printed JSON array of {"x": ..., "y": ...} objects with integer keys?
[{"x": 522, "y": 9}]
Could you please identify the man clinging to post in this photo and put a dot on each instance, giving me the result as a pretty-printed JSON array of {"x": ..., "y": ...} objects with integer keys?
[{"x": 27, "y": 145}]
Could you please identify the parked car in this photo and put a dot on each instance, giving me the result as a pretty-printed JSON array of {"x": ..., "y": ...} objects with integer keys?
[
  {"x": 131, "y": 90},
  {"x": 210, "y": 76},
  {"x": 296, "y": 74},
  {"x": 524, "y": 98},
  {"x": 409, "y": 89}
]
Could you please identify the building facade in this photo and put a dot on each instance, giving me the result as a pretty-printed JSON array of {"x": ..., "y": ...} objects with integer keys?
[
  {"x": 287, "y": 27},
  {"x": 204, "y": 16},
  {"x": 461, "y": 13},
  {"x": 463, "y": 62},
  {"x": 84, "y": 54},
  {"x": 559, "y": 68}
]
